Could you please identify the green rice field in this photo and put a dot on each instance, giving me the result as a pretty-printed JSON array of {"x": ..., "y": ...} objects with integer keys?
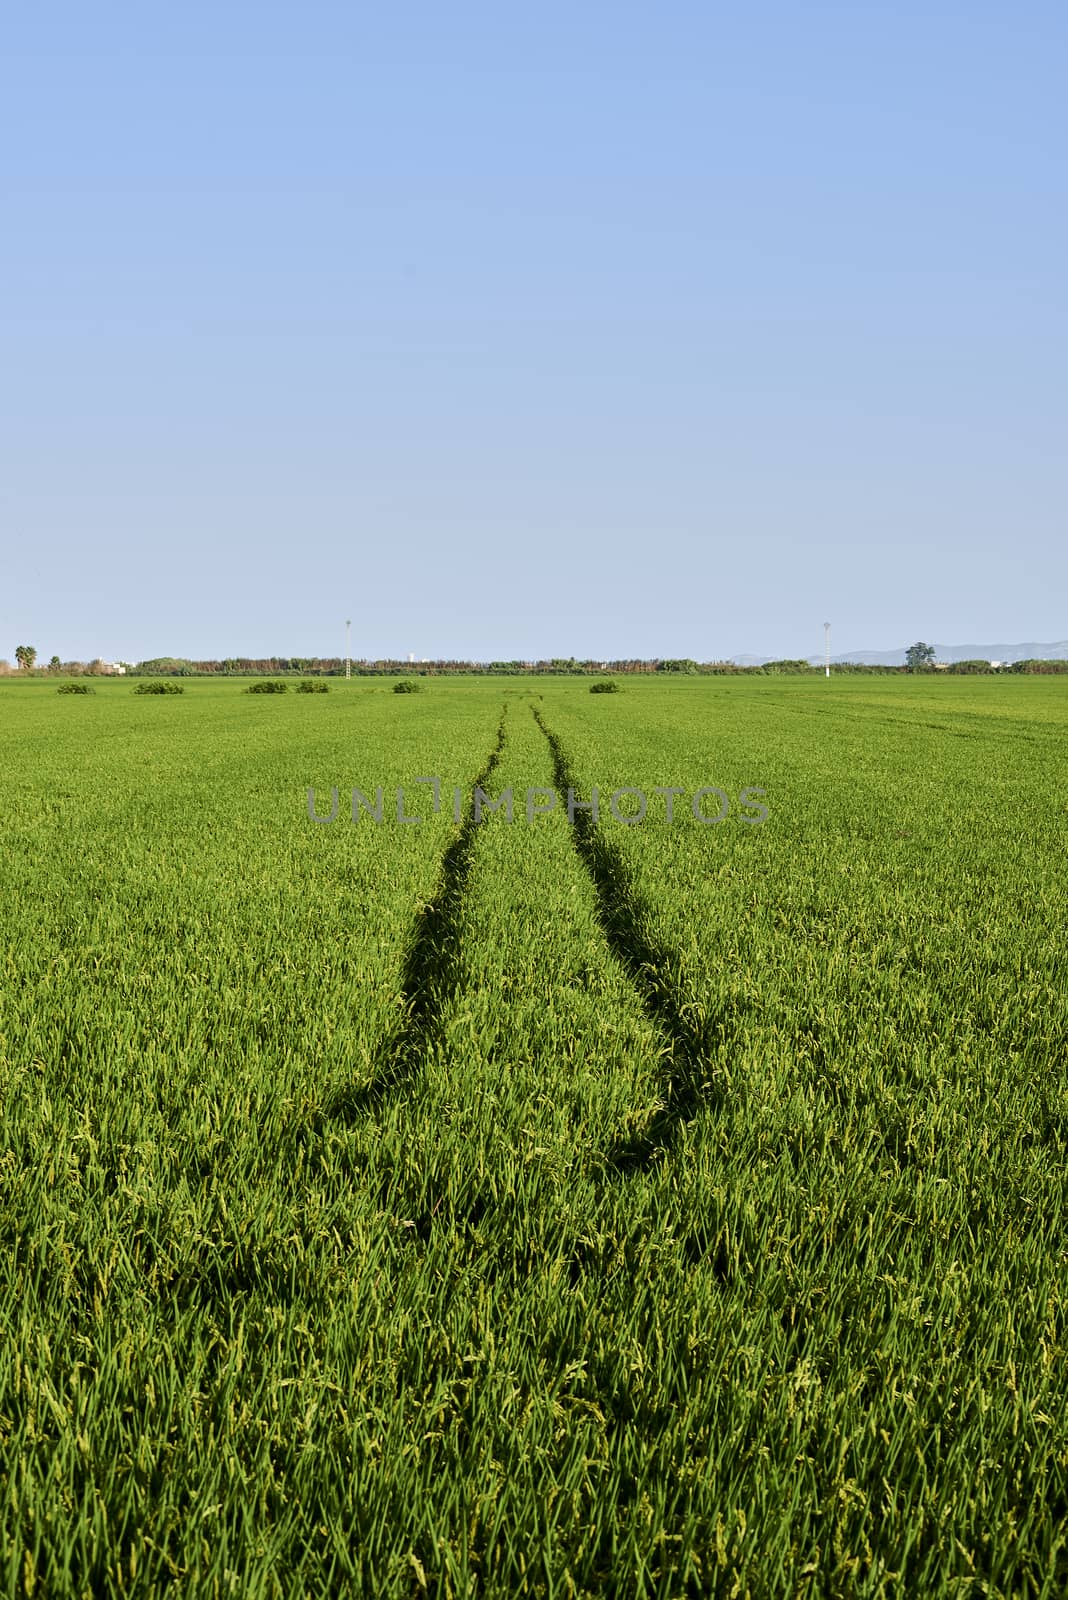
[{"x": 539, "y": 1207}]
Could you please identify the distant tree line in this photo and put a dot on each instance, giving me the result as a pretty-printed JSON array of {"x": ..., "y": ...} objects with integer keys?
[
  {"x": 556, "y": 666},
  {"x": 922, "y": 660},
  {"x": 26, "y": 659}
]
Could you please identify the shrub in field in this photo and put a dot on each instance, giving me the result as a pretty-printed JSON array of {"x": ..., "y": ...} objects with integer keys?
[
  {"x": 407, "y": 686},
  {"x": 75, "y": 688},
  {"x": 604, "y": 686},
  {"x": 160, "y": 686},
  {"x": 267, "y": 686},
  {"x": 312, "y": 686}
]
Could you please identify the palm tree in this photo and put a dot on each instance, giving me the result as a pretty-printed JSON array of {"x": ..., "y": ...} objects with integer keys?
[
  {"x": 55, "y": 665},
  {"x": 26, "y": 655}
]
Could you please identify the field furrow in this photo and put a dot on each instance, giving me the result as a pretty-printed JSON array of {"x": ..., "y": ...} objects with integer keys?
[{"x": 689, "y": 1040}]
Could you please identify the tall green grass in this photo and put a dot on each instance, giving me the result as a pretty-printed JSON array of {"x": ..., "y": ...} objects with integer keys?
[{"x": 534, "y": 1209}]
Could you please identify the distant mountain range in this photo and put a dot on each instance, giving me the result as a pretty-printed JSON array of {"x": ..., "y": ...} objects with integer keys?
[{"x": 943, "y": 652}]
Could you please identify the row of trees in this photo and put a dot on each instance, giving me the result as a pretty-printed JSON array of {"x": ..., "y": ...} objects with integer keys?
[
  {"x": 332, "y": 666},
  {"x": 919, "y": 657},
  {"x": 26, "y": 657}
]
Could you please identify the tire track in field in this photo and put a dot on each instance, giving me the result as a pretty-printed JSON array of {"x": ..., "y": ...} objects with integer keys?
[
  {"x": 688, "y": 1044},
  {"x": 432, "y": 965}
]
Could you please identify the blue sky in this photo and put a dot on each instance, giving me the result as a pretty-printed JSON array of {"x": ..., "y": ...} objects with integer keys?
[{"x": 518, "y": 331}]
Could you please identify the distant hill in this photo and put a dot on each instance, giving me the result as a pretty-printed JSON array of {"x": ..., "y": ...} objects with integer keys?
[{"x": 943, "y": 652}]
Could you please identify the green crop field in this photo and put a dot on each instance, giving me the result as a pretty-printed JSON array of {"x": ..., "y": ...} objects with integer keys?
[{"x": 535, "y": 1207}]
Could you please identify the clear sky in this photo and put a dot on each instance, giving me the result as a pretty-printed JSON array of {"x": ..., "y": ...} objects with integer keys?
[{"x": 604, "y": 329}]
